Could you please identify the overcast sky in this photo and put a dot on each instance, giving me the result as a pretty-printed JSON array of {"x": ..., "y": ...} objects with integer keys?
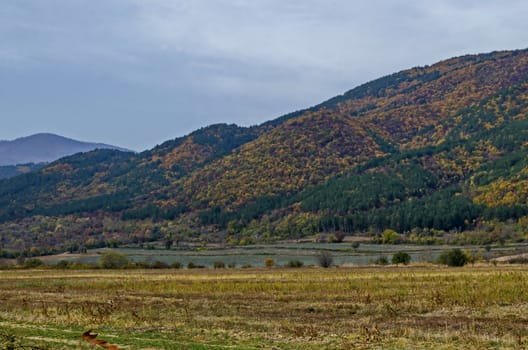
[{"x": 138, "y": 72}]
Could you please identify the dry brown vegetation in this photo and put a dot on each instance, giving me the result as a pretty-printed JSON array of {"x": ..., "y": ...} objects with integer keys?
[{"x": 417, "y": 307}]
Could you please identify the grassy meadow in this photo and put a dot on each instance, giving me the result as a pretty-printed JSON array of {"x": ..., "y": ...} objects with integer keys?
[{"x": 412, "y": 307}]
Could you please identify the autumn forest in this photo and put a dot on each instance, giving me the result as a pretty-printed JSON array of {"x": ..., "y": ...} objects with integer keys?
[{"x": 437, "y": 154}]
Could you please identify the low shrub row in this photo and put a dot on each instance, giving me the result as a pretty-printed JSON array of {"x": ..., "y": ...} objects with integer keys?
[{"x": 113, "y": 260}]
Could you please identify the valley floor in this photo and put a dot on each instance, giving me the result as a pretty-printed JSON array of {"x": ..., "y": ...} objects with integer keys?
[{"x": 413, "y": 307}]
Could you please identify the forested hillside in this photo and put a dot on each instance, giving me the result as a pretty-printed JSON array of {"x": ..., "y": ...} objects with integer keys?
[
  {"x": 7, "y": 171},
  {"x": 431, "y": 154}
]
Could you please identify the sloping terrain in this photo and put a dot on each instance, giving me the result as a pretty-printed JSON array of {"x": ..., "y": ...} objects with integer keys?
[
  {"x": 7, "y": 171},
  {"x": 408, "y": 110},
  {"x": 435, "y": 149}
]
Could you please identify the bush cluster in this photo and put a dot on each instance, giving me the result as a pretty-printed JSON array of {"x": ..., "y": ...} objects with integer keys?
[
  {"x": 295, "y": 263},
  {"x": 401, "y": 258},
  {"x": 455, "y": 257},
  {"x": 382, "y": 260},
  {"x": 114, "y": 260}
]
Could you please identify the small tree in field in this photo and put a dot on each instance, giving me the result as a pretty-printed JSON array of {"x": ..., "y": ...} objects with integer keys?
[
  {"x": 401, "y": 258},
  {"x": 382, "y": 260},
  {"x": 269, "y": 262},
  {"x": 390, "y": 237},
  {"x": 325, "y": 259},
  {"x": 338, "y": 237},
  {"x": 454, "y": 257},
  {"x": 113, "y": 260}
]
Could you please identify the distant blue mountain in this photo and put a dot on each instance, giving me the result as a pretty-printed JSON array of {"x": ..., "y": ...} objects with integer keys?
[{"x": 44, "y": 147}]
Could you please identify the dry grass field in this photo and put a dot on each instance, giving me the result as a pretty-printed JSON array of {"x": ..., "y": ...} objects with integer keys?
[{"x": 414, "y": 307}]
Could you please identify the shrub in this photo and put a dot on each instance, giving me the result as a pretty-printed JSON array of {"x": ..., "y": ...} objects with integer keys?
[
  {"x": 269, "y": 262},
  {"x": 32, "y": 263},
  {"x": 401, "y": 258},
  {"x": 159, "y": 265},
  {"x": 454, "y": 257},
  {"x": 232, "y": 265},
  {"x": 518, "y": 260},
  {"x": 192, "y": 265},
  {"x": 82, "y": 266},
  {"x": 144, "y": 264},
  {"x": 382, "y": 260},
  {"x": 8, "y": 342},
  {"x": 470, "y": 257},
  {"x": 390, "y": 237},
  {"x": 325, "y": 259},
  {"x": 295, "y": 263},
  {"x": 321, "y": 238},
  {"x": 62, "y": 264},
  {"x": 219, "y": 265},
  {"x": 176, "y": 265},
  {"x": 113, "y": 260},
  {"x": 337, "y": 237},
  {"x": 355, "y": 245}
]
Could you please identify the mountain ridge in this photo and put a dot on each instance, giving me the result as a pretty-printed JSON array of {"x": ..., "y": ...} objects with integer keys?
[
  {"x": 44, "y": 148},
  {"x": 428, "y": 152}
]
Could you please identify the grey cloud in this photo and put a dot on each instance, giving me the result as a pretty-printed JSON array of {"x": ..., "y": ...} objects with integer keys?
[{"x": 164, "y": 68}]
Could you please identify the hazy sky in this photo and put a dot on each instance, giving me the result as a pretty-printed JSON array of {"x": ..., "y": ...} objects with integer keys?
[{"x": 138, "y": 72}]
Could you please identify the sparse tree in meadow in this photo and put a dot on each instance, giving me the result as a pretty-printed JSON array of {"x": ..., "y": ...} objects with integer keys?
[
  {"x": 455, "y": 257},
  {"x": 339, "y": 236},
  {"x": 113, "y": 260},
  {"x": 382, "y": 260},
  {"x": 269, "y": 262},
  {"x": 390, "y": 237},
  {"x": 325, "y": 259},
  {"x": 401, "y": 258}
]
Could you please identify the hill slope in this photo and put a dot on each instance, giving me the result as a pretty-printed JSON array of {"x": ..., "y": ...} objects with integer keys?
[
  {"x": 7, "y": 171},
  {"x": 428, "y": 152},
  {"x": 408, "y": 110}
]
